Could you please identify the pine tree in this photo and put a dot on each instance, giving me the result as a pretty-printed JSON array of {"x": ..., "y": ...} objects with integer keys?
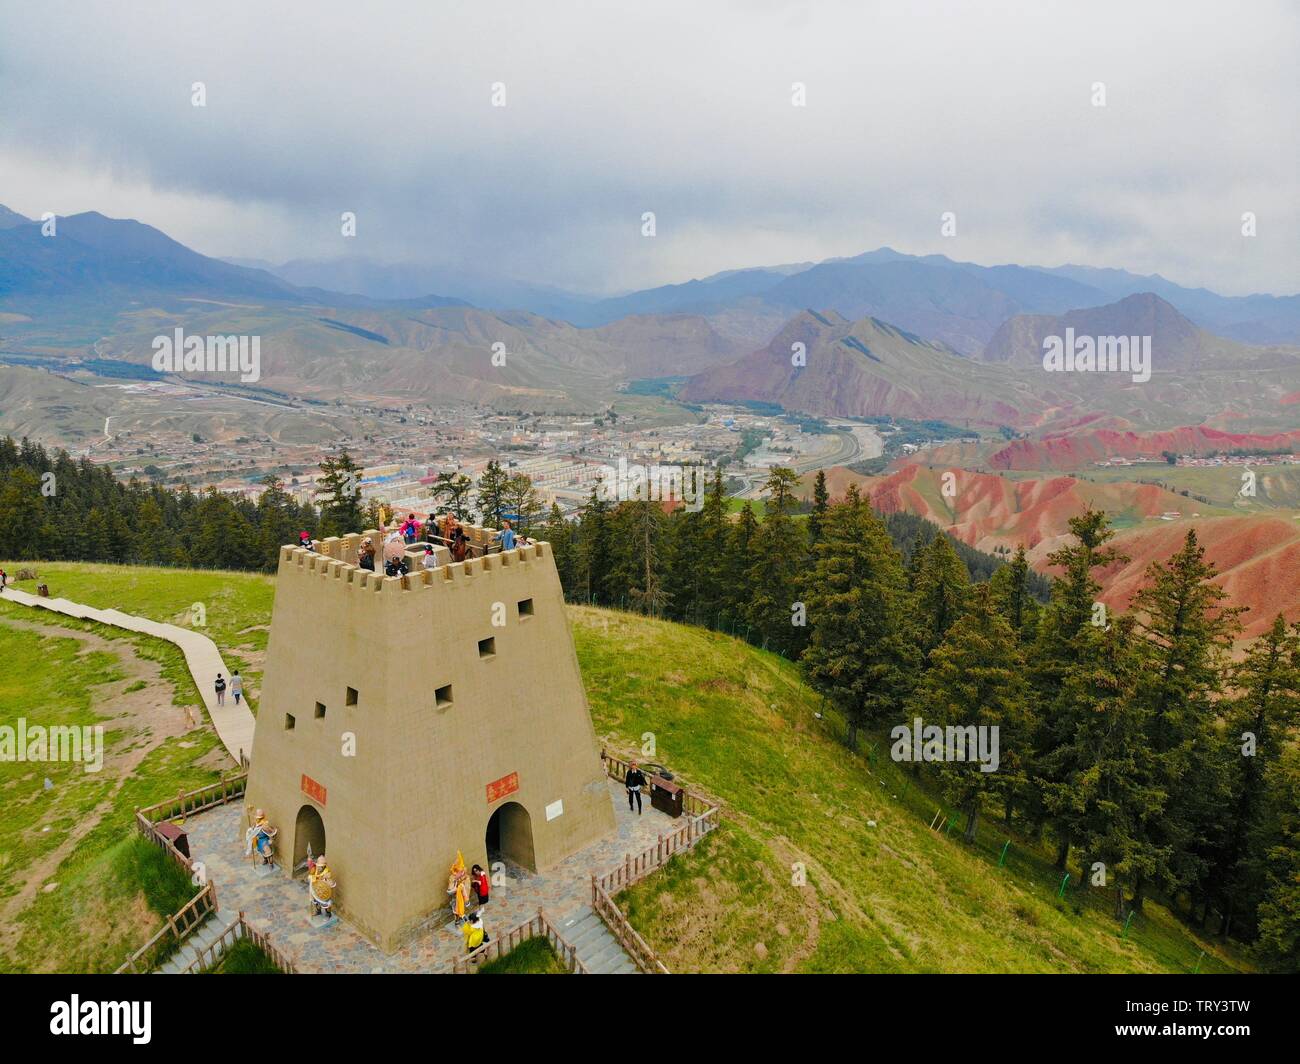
[
  {"x": 21, "y": 514},
  {"x": 940, "y": 587},
  {"x": 1059, "y": 648},
  {"x": 450, "y": 493},
  {"x": 821, "y": 500},
  {"x": 595, "y": 559},
  {"x": 521, "y": 499},
  {"x": 1279, "y": 911},
  {"x": 1010, "y": 587},
  {"x": 646, "y": 591},
  {"x": 493, "y": 488},
  {"x": 739, "y": 558},
  {"x": 976, "y": 679},
  {"x": 340, "y": 478},
  {"x": 559, "y": 534},
  {"x": 779, "y": 552},
  {"x": 714, "y": 534},
  {"x": 1257, "y": 725},
  {"x": 858, "y": 654},
  {"x": 1100, "y": 787}
]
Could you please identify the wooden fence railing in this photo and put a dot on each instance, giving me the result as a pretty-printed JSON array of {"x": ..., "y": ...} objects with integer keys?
[
  {"x": 637, "y": 948},
  {"x": 636, "y": 867},
  {"x": 177, "y": 927},
  {"x": 235, "y": 930},
  {"x": 702, "y": 817},
  {"x": 186, "y": 803},
  {"x": 539, "y": 926}
]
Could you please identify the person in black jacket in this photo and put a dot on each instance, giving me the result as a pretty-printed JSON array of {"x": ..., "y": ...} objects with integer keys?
[{"x": 634, "y": 781}]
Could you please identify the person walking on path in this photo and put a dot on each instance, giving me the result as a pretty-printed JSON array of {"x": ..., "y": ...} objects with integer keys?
[
  {"x": 221, "y": 690},
  {"x": 634, "y": 781},
  {"x": 236, "y": 686}
]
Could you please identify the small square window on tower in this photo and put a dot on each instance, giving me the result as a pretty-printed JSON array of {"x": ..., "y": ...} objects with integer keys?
[
  {"x": 525, "y": 607},
  {"x": 442, "y": 697},
  {"x": 352, "y": 696},
  {"x": 320, "y": 710},
  {"x": 487, "y": 648},
  {"x": 289, "y": 722}
]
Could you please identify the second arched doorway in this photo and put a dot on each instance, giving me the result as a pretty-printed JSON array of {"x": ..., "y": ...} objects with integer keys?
[
  {"x": 510, "y": 836},
  {"x": 308, "y": 832}
]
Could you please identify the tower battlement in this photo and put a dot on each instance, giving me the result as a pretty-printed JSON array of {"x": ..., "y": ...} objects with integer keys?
[{"x": 335, "y": 559}]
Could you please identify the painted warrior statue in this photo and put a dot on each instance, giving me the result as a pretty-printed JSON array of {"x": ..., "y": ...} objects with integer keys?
[
  {"x": 320, "y": 882},
  {"x": 260, "y": 837}
]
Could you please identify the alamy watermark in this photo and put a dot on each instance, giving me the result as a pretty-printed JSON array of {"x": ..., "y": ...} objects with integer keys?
[
  {"x": 1098, "y": 354},
  {"x": 656, "y": 483},
  {"x": 179, "y": 353},
  {"x": 60, "y": 742},
  {"x": 930, "y": 742}
]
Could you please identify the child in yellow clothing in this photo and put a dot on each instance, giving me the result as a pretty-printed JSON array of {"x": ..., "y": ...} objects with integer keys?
[{"x": 472, "y": 929}]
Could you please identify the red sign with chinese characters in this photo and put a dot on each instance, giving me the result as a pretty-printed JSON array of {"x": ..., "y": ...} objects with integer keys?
[
  {"x": 500, "y": 788},
  {"x": 312, "y": 789}
]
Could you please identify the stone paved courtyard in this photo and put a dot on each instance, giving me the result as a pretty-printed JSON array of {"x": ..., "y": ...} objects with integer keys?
[{"x": 276, "y": 904}]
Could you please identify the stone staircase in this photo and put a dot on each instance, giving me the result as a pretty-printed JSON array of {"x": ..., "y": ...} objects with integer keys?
[
  {"x": 596, "y": 947},
  {"x": 197, "y": 940}
]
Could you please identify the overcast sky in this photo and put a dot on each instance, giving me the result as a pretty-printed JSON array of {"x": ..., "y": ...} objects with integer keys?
[{"x": 613, "y": 109}]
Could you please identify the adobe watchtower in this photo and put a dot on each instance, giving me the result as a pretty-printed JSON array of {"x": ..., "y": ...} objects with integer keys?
[{"x": 405, "y": 718}]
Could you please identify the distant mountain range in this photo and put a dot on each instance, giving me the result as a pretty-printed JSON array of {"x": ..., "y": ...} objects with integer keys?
[
  {"x": 961, "y": 304},
  {"x": 92, "y": 257},
  {"x": 884, "y": 332},
  {"x": 872, "y": 368}
]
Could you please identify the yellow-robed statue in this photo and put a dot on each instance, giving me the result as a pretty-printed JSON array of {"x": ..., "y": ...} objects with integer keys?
[{"x": 458, "y": 887}]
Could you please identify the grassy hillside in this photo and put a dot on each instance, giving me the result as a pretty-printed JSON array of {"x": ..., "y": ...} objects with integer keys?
[
  {"x": 883, "y": 892},
  {"x": 75, "y": 893}
]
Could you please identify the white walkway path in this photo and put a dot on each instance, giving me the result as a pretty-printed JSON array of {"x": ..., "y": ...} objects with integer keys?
[{"x": 234, "y": 723}]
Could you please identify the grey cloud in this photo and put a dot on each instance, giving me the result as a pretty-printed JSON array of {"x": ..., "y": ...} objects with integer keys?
[{"x": 680, "y": 108}]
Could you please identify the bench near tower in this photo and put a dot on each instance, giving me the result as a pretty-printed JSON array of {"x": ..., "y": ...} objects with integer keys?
[{"x": 405, "y": 718}]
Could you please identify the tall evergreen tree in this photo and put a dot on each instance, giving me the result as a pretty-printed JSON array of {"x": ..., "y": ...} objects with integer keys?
[
  {"x": 976, "y": 679},
  {"x": 1257, "y": 727},
  {"x": 939, "y": 588},
  {"x": 340, "y": 477},
  {"x": 1279, "y": 911},
  {"x": 1010, "y": 587},
  {"x": 559, "y": 534},
  {"x": 858, "y": 653},
  {"x": 779, "y": 553},
  {"x": 493, "y": 490},
  {"x": 1059, "y": 648},
  {"x": 1187, "y": 637},
  {"x": 821, "y": 501},
  {"x": 596, "y": 555}
]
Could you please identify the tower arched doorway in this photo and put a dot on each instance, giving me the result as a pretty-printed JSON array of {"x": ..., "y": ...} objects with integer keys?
[
  {"x": 510, "y": 836},
  {"x": 309, "y": 830}
]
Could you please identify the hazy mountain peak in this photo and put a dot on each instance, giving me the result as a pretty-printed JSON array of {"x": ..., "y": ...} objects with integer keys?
[{"x": 9, "y": 218}]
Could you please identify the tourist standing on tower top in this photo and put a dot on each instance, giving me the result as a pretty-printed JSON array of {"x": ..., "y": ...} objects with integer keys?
[{"x": 506, "y": 536}]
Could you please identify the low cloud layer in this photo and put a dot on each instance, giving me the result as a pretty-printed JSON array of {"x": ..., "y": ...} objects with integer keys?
[{"x": 683, "y": 109}]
